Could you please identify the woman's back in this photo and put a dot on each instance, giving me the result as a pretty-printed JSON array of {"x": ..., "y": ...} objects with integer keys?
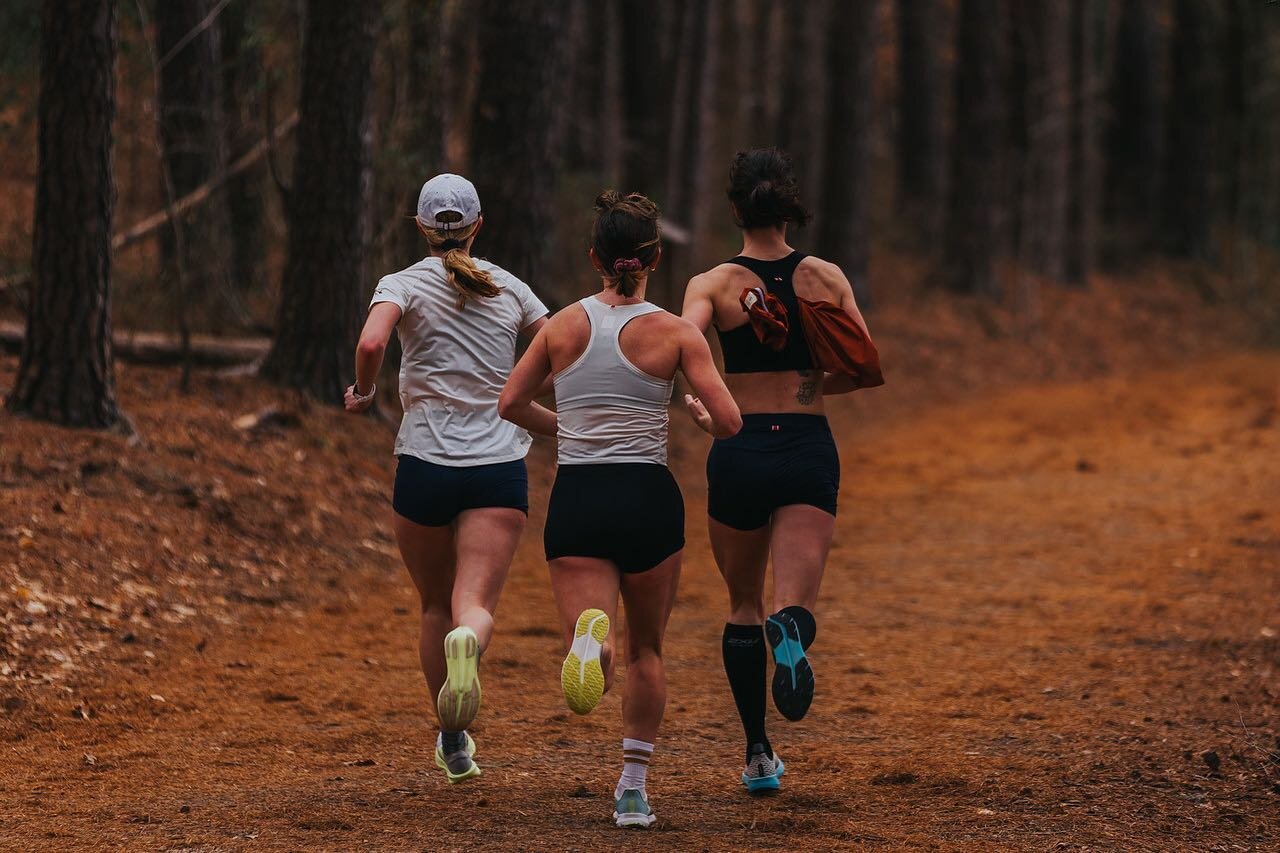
[
  {"x": 455, "y": 361},
  {"x": 609, "y": 408}
]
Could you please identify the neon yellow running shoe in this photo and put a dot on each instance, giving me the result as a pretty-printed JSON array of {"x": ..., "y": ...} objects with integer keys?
[
  {"x": 581, "y": 676},
  {"x": 459, "y": 698},
  {"x": 457, "y": 765}
]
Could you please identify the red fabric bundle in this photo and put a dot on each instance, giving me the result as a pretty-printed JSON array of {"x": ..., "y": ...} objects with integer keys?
[
  {"x": 767, "y": 315},
  {"x": 838, "y": 344}
]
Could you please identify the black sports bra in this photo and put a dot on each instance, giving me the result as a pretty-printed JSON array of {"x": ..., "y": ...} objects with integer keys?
[{"x": 743, "y": 352}]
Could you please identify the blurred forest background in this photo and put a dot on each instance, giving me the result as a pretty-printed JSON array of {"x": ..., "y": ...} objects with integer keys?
[{"x": 249, "y": 167}]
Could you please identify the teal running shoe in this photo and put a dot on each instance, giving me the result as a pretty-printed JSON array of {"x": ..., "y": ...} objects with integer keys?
[
  {"x": 632, "y": 809},
  {"x": 792, "y": 675},
  {"x": 457, "y": 764},
  {"x": 763, "y": 773}
]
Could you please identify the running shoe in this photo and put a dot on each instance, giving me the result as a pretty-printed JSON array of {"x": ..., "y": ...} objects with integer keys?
[
  {"x": 459, "y": 698},
  {"x": 581, "y": 676},
  {"x": 632, "y": 809},
  {"x": 792, "y": 675},
  {"x": 763, "y": 773},
  {"x": 457, "y": 765}
]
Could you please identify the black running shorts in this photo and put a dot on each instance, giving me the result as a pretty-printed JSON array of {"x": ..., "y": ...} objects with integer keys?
[
  {"x": 775, "y": 460},
  {"x": 631, "y": 513},
  {"x": 433, "y": 495}
]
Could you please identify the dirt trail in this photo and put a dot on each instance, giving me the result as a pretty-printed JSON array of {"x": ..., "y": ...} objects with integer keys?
[{"x": 1043, "y": 609}]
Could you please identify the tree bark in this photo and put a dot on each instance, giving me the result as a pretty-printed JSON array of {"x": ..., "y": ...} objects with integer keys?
[
  {"x": 1045, "y": 112},
  {"x": 802, "y": 119},
  {"x": 705, "y": 173},
  {"x": 1194, "y": 115},
  {"x": 518, "y": 130},
  {"x": 649, "y": 42},
  {"x": 243, "y": 88},
  {"x": 1088, "y": 35},
  {"x": 845, "y": 218},
  {"x": 1133, "y": 136},
  {"x": 975, "y": 217},
  {"x": 65, "y": 373},
  {"x": 321, "y": 293},
  {"x": 194, "y": 149},
  {"x": 922, "y": 163}
]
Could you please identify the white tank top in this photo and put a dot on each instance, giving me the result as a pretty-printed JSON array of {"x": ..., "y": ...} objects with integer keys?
[{"x": 609, "y": 410}]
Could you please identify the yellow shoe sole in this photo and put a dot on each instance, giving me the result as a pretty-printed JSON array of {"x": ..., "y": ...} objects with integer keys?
[
  {"x": 459, "y": 699},
  {"x": 581, "y": 675}
]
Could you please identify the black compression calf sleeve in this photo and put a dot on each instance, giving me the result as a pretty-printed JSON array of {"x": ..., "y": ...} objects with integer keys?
[
  {"x": 805, "y": 623},
  {"x": 746, "y": 664}
]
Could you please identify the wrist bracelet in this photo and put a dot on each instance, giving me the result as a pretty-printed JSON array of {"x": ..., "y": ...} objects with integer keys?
[{"x": 361, "y": 398}]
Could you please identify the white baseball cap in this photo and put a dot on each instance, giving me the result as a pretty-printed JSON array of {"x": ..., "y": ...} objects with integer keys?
[{"x": 448, "y": 203}]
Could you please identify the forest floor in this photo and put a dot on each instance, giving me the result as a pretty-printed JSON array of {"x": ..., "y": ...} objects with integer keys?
[{"x": 1051, "y": 621}]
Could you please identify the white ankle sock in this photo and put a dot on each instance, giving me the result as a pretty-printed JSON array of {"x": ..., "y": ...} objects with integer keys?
[{"x": 635, "y": 765}]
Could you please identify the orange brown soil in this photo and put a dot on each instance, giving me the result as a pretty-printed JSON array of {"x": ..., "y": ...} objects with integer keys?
[{"x": 1051, "y": 620}]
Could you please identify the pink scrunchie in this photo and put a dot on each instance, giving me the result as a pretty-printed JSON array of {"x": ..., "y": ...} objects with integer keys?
[{"x": 627, "y": 265}]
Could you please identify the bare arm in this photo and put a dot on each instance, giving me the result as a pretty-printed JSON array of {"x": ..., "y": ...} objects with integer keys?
[
  {"x": 527, "y": 334},
  {"x": 698, "y": 308},
  {"x": 711, "y": 404},
  {"x": 382, "y": 320},
  {"x": 516, "y": 402},
  {"x": 841, "y": 383}
]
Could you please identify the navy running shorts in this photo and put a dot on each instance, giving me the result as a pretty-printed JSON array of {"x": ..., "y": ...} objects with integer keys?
[
  {"x": 775, "y": 460},
  {"x": 631, "y": 513},
  {"x": 433, "y": 495}
]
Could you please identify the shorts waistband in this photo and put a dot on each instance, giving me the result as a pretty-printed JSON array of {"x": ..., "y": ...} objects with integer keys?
[{"x": 783, "y": 422}]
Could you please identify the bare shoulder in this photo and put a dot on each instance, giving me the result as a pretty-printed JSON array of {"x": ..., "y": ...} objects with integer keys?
[
  {"x": 667, "y": 326},
  {"x": 822, "y": 275},
  {"x": 712, "y": 279},
  {"x": 569, "y": 321}
]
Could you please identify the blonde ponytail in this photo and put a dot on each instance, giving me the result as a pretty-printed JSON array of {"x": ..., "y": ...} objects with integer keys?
[{"x": 463, "y": 275}]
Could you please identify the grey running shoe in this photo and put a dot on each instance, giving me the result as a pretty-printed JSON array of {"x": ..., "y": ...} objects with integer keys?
[
  {"x": 763, "y": 772},
  {"x": 454, "y": 758}
]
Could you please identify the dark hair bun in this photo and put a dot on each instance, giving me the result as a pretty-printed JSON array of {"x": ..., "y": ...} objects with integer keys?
[
  {"x": 764, "y": 189},
  {"x": 625, "y": 238}
]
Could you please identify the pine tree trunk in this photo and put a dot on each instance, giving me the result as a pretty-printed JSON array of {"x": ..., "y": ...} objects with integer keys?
[
  {"x": 649, "y": 41},
  {"x": 1088, "y": 31},
  {"x": 426, "y": 86},
  {"x": 705, "y": 173},
  {"x": 1193, "y": 118},
  {"x": 518, "y": 129},
  {"x": 1133, "y": 137},
  {"x": 612, "y": 151},
  {"x": 845, "y": 219},
  {"x": 66, "y": 373},
  {"x": 321, "y": 294},
  {"x": 975, "y": 215},
  {"x": 242, "y": 93},
  {"x": 194, "y": 150},
  {"x": 1048, "y": 152},
  {"x": 802, "y": 118},
  {"x": 682, "y": 140},
  {"x": 922, "y": 163}
]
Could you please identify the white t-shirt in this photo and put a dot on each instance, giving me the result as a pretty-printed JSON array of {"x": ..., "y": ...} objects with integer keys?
[{"x": 455, "y": 363}]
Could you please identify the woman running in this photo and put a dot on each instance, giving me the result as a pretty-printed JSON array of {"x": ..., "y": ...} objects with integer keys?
[
  {"x": 615, "y": 521},
  {"x": 461, "y": 490},
  {"x": 771, "y": 489}
]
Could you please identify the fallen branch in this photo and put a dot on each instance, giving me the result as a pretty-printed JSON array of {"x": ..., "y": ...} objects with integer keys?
[
  {"x": 148, "y": 226},
  {"x": 157, "y": 348},
  {"x": 197, "y": 196}
]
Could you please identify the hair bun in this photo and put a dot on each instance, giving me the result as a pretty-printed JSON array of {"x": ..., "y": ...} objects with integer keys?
[{"x": 607, "y": 200}]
